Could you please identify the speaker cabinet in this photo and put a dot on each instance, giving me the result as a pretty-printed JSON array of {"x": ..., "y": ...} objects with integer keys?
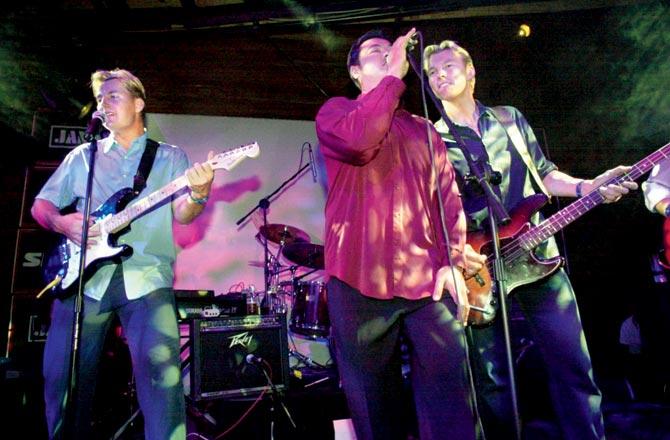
[
  {"x": 28, "y": 324},
  {"x": 21, "y": 384},
  {"x": 32, "y": 247},
  {"x": 36, "y": 177},
  {"x": 219, "y": 351}
]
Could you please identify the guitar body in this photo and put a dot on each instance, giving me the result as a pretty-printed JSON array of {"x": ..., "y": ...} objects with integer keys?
[
  {"x": 525, "y": 268},
  {"x": 64, "y": 260}
]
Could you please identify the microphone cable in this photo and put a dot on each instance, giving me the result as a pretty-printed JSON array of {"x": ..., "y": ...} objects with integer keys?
[{"x": 440, "y": 201}]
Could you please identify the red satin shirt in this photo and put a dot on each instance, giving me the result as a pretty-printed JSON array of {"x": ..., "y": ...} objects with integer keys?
[{"x": 383, "y": 231}]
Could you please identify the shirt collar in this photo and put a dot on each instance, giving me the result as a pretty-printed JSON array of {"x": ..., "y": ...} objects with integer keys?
[
  {"x": 443, "y": 128},
  {"x": 138, "y": 143},
  {"x": 484, "y": 110}
]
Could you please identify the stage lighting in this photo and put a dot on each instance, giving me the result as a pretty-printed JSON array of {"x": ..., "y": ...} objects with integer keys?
[{"x": 524, "y": 31}]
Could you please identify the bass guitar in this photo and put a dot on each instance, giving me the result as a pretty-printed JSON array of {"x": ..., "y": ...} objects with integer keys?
[
  {"x": 113, "y": 218},
  {"x": 519, "y": 237}
]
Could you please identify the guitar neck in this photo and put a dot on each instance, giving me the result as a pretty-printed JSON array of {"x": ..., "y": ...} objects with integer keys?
[
  {"x": 124, "y": 217},
  {"x": 575, "y": 210},
  {"x": 226, "y": 160}
]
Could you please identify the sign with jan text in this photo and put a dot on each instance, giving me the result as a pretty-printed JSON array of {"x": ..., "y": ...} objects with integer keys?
[{"x": 66, "y": 136}]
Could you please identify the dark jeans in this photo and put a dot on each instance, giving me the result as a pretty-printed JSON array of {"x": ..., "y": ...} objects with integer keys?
[
  {"x": 150, "y": 326},
  {"x": 550, "y": 309},
  {"x": 366, "y": 333}
]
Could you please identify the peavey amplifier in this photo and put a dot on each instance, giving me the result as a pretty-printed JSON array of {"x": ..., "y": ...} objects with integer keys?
[{"x": 220, "y": 362}]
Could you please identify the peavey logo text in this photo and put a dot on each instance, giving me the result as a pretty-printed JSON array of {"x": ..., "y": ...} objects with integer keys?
[{"x": 243, "y": 339}]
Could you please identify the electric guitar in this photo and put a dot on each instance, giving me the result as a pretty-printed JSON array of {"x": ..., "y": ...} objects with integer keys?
[
  {"x": 61, "y": 268},
  {"x": 518, "y": 238}
]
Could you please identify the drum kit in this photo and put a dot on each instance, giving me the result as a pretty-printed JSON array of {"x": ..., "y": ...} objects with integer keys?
[{"x": 305, "y": 300}]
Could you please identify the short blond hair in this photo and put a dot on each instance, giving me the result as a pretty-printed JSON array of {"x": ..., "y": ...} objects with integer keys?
[
  {"x": 130, "y": 82},
  {"x": 445, "y": 45}
]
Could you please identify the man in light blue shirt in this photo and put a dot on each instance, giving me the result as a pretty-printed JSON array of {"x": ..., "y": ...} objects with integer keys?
[{"x": 137, "y": 287}]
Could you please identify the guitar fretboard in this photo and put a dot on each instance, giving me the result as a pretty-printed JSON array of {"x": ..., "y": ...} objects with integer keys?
[
  {"x": 124, "y": 217},
  {"x": 225, "y": 160},
  {"x": 536, "y": 235}
]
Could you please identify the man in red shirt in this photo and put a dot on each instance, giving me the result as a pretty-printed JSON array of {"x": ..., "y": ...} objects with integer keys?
[{"x": 387, "y": 257}]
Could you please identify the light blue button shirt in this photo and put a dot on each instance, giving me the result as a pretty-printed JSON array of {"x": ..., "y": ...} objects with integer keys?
[{"x": 150, "y": 236}]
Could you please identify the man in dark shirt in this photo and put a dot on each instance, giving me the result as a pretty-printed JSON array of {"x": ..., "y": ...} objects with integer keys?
[
  {"x": 492, "y": 136},
  {"x": 387, "y": 257}
]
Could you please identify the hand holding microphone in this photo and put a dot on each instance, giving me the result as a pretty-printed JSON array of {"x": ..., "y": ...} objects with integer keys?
[
  {"x": 397, "y": 56},
  {"x": 413, "y": 41}
]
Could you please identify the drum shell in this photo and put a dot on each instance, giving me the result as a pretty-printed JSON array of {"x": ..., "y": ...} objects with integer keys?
[{"x": 309, "y": 315}]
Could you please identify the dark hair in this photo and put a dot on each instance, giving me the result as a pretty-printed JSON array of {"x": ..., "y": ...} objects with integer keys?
[{"x": 355, "y": 50}]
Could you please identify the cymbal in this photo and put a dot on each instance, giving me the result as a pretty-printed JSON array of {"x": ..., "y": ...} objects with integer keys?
[
  {"x": 305, "y": 254},
  {"x": 279, "y": 233}
]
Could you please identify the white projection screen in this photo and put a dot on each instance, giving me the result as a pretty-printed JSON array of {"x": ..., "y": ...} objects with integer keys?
[{"x": 213, "y": 252}]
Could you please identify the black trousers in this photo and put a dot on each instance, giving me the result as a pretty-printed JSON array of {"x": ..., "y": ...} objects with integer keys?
[
  {"x": 550, "y": 309},
  {"x": 366, "y": 333}
]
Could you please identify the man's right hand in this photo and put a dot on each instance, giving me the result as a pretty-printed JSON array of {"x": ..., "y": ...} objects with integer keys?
[
  {"x": 397, "y": 56},
  {"x": 70, "y": 226},
  {"x": 474, "y": 262},
  {"x": 49, "y": 217}
]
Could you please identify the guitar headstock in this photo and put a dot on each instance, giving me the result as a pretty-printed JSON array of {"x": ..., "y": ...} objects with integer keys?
[{"x": 228, "y": 159}]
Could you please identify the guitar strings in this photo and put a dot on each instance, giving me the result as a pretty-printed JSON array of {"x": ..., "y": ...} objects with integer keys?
[{"x": 516, "y": 249}]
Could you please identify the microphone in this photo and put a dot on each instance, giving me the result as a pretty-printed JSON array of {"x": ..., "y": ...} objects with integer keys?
[
  {"x": 94, "y": 125},
  {"x": 252, "y": 359},
  {"x": 312, "y": 164},
  {"x": 412, "y": 42}
]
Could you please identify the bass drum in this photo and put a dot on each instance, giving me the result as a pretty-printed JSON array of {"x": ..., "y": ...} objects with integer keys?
[{"x": 309, "y": 314}]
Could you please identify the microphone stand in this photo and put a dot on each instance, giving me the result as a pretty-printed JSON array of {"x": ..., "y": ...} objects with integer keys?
[
  {"x": 497, "y": 213},
  {"x": 264, "y": 204},
  {"x": 275, "y": 396},
  {"x": 78, "y": 320}
]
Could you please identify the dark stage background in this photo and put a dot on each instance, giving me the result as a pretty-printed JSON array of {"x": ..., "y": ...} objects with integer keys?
[{"x": 592, "y": 79}]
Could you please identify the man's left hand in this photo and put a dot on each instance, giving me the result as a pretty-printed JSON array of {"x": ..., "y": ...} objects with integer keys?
[
  {"x": 450, "y": 278},
  {"x": 200, "y": 177},
  {"x": 613, "y": 192}
]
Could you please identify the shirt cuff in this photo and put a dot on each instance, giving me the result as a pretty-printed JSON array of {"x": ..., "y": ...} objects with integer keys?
[{"x": 654, "y": 193}]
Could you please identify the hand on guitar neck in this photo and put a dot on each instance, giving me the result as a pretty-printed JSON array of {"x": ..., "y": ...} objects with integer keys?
[{"x": 611, "y": 190}]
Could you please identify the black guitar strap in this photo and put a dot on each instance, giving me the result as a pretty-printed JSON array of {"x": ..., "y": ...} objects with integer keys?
[{"x": 143, "y": 170}]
